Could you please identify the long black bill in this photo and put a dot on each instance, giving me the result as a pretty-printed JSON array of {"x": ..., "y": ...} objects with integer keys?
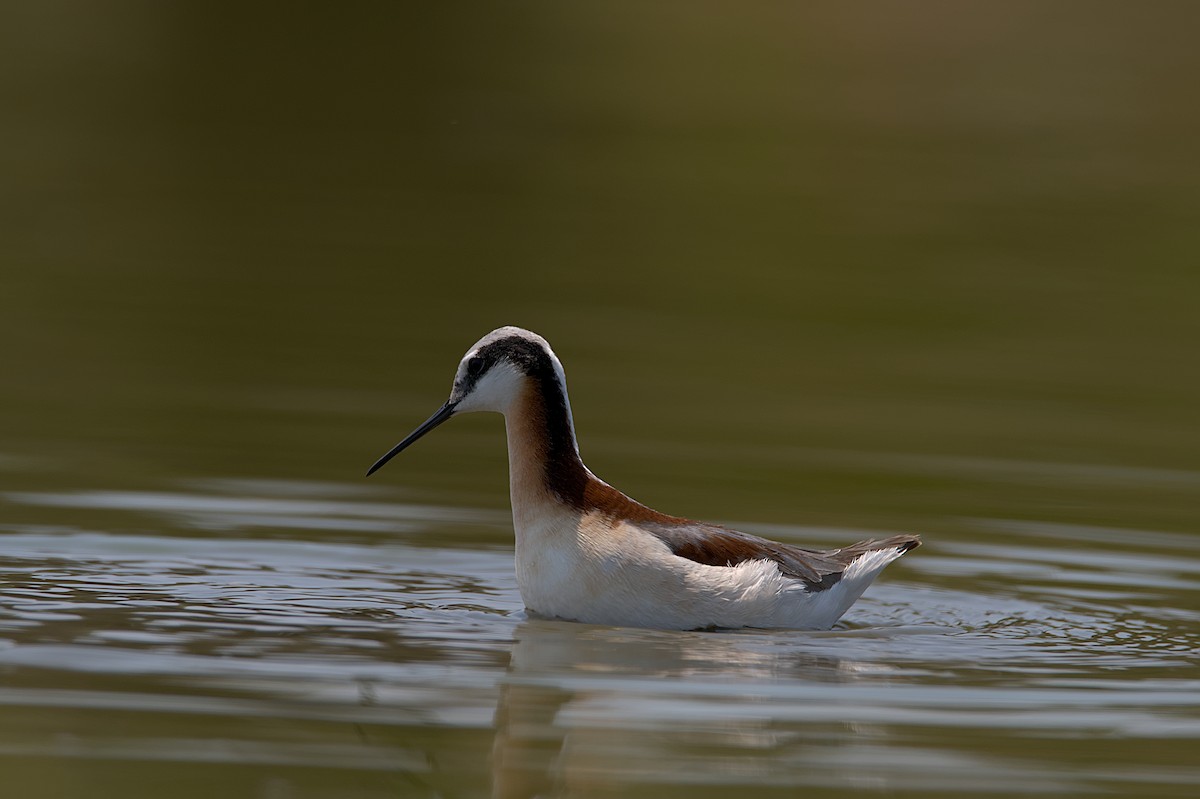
[{"x": 443, "y": 413}]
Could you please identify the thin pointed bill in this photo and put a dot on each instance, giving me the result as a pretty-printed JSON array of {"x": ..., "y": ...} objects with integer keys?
[{"x": 443, "y": 413}]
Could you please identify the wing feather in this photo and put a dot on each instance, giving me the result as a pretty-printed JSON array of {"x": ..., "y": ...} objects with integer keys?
[{"x": 718, "y": 546}]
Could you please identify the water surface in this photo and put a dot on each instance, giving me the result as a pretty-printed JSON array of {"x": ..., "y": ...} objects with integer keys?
[{"x": 205, "y": 648}]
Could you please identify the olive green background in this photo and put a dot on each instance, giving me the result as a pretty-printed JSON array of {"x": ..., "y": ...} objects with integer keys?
[{"x": 881, "y": 267}]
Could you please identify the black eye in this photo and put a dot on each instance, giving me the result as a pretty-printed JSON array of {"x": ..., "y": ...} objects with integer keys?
[{"x": 475, "y": 367}]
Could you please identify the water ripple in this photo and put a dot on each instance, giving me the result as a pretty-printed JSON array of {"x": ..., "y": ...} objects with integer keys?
[{"x": 1033, "y": 639}]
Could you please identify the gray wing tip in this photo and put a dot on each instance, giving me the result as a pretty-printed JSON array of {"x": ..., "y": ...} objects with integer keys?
[
  {"x": 900, "y": 543},
  {"x": 903, "y": 542}
]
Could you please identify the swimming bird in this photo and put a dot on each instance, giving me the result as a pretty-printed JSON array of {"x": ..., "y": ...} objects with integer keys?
[{"x": 586, "y": 552}]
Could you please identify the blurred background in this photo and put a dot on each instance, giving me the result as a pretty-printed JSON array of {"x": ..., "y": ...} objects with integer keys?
[{"x": 849, "y": 269}]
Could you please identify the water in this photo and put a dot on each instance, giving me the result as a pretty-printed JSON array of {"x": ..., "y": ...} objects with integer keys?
[
  {"x": 813, "y": 274},
  {"x": 370, "y": 658}
]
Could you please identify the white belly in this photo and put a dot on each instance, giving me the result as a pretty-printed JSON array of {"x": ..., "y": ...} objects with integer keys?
[{"x": 584, "y": 568}]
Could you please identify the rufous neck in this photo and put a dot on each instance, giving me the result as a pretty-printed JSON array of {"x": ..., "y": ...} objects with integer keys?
[{"x": 543, "y": 459}]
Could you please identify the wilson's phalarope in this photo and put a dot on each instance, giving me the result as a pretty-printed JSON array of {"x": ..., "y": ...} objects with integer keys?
[{"x": 586, "y": 552}]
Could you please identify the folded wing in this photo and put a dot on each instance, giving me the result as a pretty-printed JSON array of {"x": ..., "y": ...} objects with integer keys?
[{"x": 818, "y": 569}]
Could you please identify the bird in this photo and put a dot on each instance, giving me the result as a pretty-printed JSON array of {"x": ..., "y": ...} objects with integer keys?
[{"x": 585, "y": 552}]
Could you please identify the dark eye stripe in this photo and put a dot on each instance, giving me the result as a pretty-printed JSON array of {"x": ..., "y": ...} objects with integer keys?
[{"x": 475, "y": 367}]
